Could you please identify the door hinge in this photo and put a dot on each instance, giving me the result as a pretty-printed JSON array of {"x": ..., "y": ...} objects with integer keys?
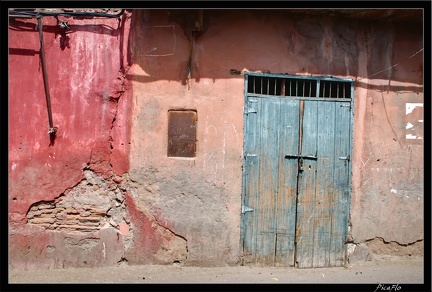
[
  {"x": 246, "y": 209},
  {"x": 250, "y": 110},
  {"x": 345, "y": 158},
  {"x": 251, "y": 155}
]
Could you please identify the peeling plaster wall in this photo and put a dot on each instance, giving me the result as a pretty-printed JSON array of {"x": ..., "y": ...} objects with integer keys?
[
  {"x": 199, "y": 199},
  {"x": 107, "y": 193},
  {"x": 60, "y": 193},
  {"x": 388, "y": 165}
]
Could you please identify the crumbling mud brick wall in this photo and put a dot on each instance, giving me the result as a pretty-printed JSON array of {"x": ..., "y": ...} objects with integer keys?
[{"x": 67, "y": 192}]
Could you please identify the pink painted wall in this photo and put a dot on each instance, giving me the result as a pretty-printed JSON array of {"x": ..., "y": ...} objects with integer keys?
[
  {"x": 199, "y": 199},
  {"x": 388, "y": 172}
]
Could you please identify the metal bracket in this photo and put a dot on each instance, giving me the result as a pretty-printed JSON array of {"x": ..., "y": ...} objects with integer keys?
[
  {"x": 246, "y": 209},
  {"x": 251, "y": 155},
  {"x": 250, "y": 110},
  {"x": 345, "y": 158}
]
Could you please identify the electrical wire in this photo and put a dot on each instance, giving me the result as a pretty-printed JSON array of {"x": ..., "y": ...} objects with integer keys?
[
  {"x": 376, "y": 73},
  {"x": 70, "y": 14}
]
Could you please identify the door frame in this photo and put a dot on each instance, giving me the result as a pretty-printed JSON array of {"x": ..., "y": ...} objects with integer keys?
[{"x": 246, "y": 111}]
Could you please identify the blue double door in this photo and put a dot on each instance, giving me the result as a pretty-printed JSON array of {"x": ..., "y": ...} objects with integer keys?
[{"x": 296, "y": 181}]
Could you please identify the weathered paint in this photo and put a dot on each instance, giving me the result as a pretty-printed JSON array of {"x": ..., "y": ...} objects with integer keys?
[
  {"x": 307, "y": 225},
  {"x": 196, "y": 202},
  {"x": 240, "y": 40},
  {"x": 90, "y": 107},
  {"x": 383, "y": 158}
]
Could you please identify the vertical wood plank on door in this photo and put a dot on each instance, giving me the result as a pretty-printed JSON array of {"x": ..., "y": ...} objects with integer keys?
[
  {"x": 340, "y": 210},
  {"x": 266, "y": 229},
  {"x": 325, "y": 190},
  {"x": 305, "y": 236},
  {"x": 288, "y": 169},
  {"x": 252, "y": 152},
  {"x": 269, "y": 169}
]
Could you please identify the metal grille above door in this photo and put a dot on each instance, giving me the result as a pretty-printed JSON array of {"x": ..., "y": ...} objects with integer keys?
[
  {"x": 325, "y": 87},
  {"x": 296, "y": 170}
]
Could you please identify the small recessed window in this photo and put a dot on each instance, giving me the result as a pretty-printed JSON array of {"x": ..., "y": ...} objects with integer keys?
[{"x": 182, "y": 133}]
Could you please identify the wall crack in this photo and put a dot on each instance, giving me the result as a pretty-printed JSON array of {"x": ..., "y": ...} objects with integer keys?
[{"x": 380, "y": 246}]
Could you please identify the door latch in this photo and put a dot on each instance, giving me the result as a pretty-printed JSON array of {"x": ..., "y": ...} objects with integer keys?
[
  {"x": 301, "y": 156},
  {"x": 300, "y": 159}
]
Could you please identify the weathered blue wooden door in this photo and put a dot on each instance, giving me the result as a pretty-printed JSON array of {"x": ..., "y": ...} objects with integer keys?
[{"x": 296, "y": 171}]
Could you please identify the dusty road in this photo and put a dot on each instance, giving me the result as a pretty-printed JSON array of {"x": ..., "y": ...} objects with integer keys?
[{"x": 383, "y": 270}]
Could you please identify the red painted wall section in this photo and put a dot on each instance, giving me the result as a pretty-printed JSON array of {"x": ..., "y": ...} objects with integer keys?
[
  {"x": 85, "y": 84},
  {"x": 90, "y": 103}
]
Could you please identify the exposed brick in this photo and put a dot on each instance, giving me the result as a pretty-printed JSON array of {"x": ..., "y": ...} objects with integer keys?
[
  {"x": 98, "y": 212},
  {"x": 50, "y": 215},
  {"x": 61, "y": 216},
  {"x": 46, "y": 206},
  {"x": 85, "y": 214},
  {"x": 86, "y": 207},
  {"x": 70, "y": 222},
  {"x": 71, "y": 211},
  {"x": 48, "y": 211},
  {"x": 97, "y": 219},
  {"x": 71, "y": 217},
  {"x": 86, "y": 223},
  {"x": 42, "y": 220}
]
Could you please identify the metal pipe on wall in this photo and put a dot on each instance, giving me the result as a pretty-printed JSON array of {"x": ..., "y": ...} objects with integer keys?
[{"x": 52, "y": 130}]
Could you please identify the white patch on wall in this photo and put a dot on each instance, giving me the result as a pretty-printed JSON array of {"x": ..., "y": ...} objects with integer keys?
[
  {"x": 414, "y": 121},
  {"x": 350, "y": 248}
]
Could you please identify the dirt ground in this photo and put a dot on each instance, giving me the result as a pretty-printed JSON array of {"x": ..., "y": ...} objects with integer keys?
[{"x": 384, "y": 269}]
